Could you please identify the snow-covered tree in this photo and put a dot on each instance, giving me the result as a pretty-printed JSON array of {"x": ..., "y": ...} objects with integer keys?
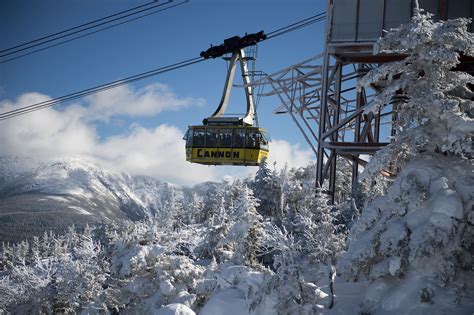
[
  {"x": 437, "y": 115},
  {"x": 193, "y": 207},
  {"x": 54, "y": 274},
  {"x": 324, "y": 238},
  {"x": 215, "y": 219},
  {"x": 213, "y": 204},
  {"x": 343, "y": 180},
  {"x": 296, "y": 186},
  {"x": 246, "y": 227},
  {"x": 304, "y": 258},
  {"x": 267, "y": 190},
  {"x": 414, "y": 241}
]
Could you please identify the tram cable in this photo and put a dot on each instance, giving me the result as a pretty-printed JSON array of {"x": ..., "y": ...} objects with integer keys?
[
  {"x": 298, "y": 27},
  {"x": 79, "y": 29},
  {"x": 76, "y": 27},
  {"x": 93, "y": 32},
  {"x": 103, "y": 87},
  {"x": 294, "y": 26},
  {"x": 97, "y": 89}
]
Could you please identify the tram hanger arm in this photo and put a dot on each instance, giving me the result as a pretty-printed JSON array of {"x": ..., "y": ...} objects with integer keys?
[{"x": 217, "y": 116}]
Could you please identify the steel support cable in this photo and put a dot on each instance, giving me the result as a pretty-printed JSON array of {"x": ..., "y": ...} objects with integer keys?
[
  {"x": 97, "y": 89},
  {"x": 89, "y": 28},
  {"x": 141, "y": 76},
  {"x": 94, "y": 32}
]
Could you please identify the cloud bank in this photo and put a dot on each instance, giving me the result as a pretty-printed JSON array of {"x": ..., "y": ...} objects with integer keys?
[
  {"x": 148, "y": 101},
  {"x": 51, "y": 133}
]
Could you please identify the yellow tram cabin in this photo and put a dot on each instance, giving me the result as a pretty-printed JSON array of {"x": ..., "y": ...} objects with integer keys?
[{"x": 226, "y": 145}]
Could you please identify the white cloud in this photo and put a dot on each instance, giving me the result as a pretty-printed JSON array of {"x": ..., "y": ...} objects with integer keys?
[
  {"x": 282, "y": 152},
  {"x": 45, "y": 133},
  {"x": 158, "y": 151},
  {"x": 148, "y": 101},
  {"x": 50, "y": 134},
  {"x": 155, "y": 152}
]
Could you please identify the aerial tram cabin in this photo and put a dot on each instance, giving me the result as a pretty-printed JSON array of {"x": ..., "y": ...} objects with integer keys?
[
  {"x": 226, "y": 145},
  {"x": 223, "y": 140}
]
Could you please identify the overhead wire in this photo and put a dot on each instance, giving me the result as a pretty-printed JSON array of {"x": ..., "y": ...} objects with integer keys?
[
  {"x": 79, "y": 26},
  {"x": 96, "y": 31},
  {"x": 297, "y": 25},
  {"x": 107, "y": 86},
  {"x": 97, "y": 89},
  {"x": 78, "y": 29},
  {"x": 86, "y": 29}
]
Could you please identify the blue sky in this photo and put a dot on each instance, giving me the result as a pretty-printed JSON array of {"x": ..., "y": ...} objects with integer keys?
[{"x": 154, "y": 41}]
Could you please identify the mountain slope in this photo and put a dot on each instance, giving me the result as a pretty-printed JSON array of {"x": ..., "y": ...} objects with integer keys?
[{"x": 38, "y": 196}]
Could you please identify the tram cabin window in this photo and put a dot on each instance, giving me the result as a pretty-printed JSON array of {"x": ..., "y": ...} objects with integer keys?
[
  {"x": 239, "y": 137},
  {"x": 263, "y": 141},
  {"x": 253, "y": 139},
  {"x": 225, "y": 138},
  {"x": 211, "y": 138},
  {"x": 198, "y": 138},
  {"x": 189, "y": 138}
]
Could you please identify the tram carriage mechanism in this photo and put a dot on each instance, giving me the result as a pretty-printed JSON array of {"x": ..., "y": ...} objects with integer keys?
[{"x": 225, "y": 140}]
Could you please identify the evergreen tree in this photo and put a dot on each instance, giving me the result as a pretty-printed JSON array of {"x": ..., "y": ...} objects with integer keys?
[
  {"x": 323, "y": 237},
  {"x": 266, "y": 190},
  {"x": 437, "y": 115},
  {"x": 245, "y": 232},
  {"x": 417, "y": 234},
  {"x": 213, "y": 205}
]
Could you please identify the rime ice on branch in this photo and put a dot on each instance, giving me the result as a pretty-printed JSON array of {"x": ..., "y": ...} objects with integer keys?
[{"x": 439, "y": 111}]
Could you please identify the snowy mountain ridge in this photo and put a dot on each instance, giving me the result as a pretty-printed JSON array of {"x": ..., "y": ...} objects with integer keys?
[{"x": 73, "y": 190}]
